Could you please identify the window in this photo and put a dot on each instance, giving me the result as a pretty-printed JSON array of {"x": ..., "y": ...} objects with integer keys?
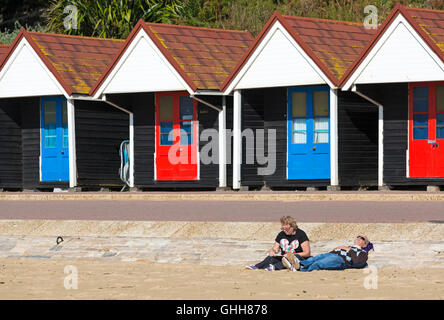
[
  {"x": 299, "y": 114},
  {"x": 166, "y": 120},
  {"x": 320, "y": 113},
  {"x": 186, "y": 105},
  {"x": 420, "y": 113},
  {"x": 65, "y": 124},
  {"x": 440, "y": 112},
  {"x": 50, "y": 117}
]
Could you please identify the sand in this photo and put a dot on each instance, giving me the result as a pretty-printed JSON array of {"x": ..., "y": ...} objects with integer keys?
[{"x": 33, "y": 278}]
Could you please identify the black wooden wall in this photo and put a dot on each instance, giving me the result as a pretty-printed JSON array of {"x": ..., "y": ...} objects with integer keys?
[
  {"x": 100, "y": 129},
  {"x": 142, "y": 104},
  {"x": 394, "y": 98},
  {"x": 10, "y": 144},
  {"x": 357, "y": 141},
  {"x": 252, "y": 119}
]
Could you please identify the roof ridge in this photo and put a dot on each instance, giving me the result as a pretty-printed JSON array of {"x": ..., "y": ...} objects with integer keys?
[
  {"x": 74, "y": 36},
  {"x": 194, "y": 27},
  {"x": 424, "y": 9},
  {"x": 358, "y": 24}
]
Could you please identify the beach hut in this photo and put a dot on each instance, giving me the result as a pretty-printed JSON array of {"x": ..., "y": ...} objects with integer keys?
[
  {"x": 169, "y": 77},
  {"x": 286, "y": 88},
  {"x": 402, "y": 71},
  {"x": 52, "y": 136}
]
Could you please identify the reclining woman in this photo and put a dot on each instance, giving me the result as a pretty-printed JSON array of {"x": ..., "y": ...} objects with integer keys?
[
  {"x": 339, "y": 258},
  {"x": 290, "y": 241}
]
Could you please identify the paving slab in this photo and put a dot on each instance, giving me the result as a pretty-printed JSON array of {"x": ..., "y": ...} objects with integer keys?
[{"x": 204, "y": 251}]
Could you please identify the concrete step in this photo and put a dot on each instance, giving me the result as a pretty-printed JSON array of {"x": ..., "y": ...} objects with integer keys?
[{"x": 266, "y": 231}]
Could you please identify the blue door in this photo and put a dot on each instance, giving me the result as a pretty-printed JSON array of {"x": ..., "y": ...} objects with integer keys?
[
  {"x": 308, "y": 133},
  {"x": 54, "y": 139}
]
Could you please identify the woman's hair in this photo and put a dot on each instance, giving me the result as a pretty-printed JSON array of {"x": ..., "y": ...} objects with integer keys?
[{"x": 290, "y": 221}]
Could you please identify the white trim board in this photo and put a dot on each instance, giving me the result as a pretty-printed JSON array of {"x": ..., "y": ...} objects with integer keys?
[
  {"x": 25, "y": 75},
  {"x": 400, "y": 55},
  {"x": 278, "y": 61},
  {"x": 142, "y": 68}
]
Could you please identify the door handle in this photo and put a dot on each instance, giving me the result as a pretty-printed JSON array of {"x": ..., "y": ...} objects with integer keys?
[
  {"x": 63, "y": 152},
  {"x": 314, "y": 148}
]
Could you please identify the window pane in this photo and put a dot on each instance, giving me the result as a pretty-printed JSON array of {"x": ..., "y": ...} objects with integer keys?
[
  {"x": 299, "y": 131},
  {"x": 186, "y": 136},
  {"x": 50, "y": 136},
  {"x": 50, "y": 109},
  {"x": 299, "y": 125},
  {"x": 321, "y": 124},
  {"x": 299, "y": 138},
  {"x": 166, "y": 108},
  {"x": 440, "y": 126},
  {"x": 320, "y": 103},
  {"x": 65, "y": 124},
  {"x": 440, "y": 98},
  {"x": 320, "y": 137},
  {"x": 420, "y": 126},
  {"x": 166, "y": 139},
  {"x": 298, "y": 100},
  {"x": 420, "y": 133},
  {"x": 420, "y": 99},
  {"x": 50, "y": 118},
  {"x": 321, "y": 130},
  {"x": 166, "y": 133},
  {"x": 186, "y": 108},
  {"x": 420, "y": 120},
  {"x": 64, "y": 112}
]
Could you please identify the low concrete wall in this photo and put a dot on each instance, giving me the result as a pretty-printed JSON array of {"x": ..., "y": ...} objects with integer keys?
[{"x": 221, "y": 230}]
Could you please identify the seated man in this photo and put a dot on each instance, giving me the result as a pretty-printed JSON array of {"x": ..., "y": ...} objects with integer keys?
[{"x": 339, "y": 258}]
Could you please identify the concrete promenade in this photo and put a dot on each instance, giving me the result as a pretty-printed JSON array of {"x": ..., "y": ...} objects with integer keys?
[
  {"x": 405, "y": 245},
  {"x": 219, "y": 243}
]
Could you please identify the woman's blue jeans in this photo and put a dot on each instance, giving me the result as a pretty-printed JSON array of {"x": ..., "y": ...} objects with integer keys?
[{"x": 325, "y": 261}]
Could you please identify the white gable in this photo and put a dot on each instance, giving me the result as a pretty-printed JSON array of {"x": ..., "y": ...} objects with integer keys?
[
  {"x": 142, "y": 68},
  {"x": 25, "y": 75},
  {"x": 278, "y": 61},
  {"x": 400, "y": 55}
]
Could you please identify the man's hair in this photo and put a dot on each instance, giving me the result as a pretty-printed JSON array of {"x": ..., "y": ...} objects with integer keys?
[{"x": 290, "y": 221}]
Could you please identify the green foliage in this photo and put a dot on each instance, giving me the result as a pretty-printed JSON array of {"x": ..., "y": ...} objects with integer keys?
[
  {"x": 253, "y": 14},
  {"x": 110, "y": 18},
  {"x": 7, "y": 36},
  {"x": 116, "y": 18}
]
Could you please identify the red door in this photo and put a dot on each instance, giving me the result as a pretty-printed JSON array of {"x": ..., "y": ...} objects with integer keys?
[
  {"x": 426, "y": 130},
  {"x": 176, "y": 136}
]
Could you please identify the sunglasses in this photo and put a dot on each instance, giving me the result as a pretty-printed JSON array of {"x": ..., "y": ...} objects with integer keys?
[{"x": 361, "y": 237}]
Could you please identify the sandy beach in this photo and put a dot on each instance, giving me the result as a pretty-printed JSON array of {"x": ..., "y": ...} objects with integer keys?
[{"x": 28, "y": 278}]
